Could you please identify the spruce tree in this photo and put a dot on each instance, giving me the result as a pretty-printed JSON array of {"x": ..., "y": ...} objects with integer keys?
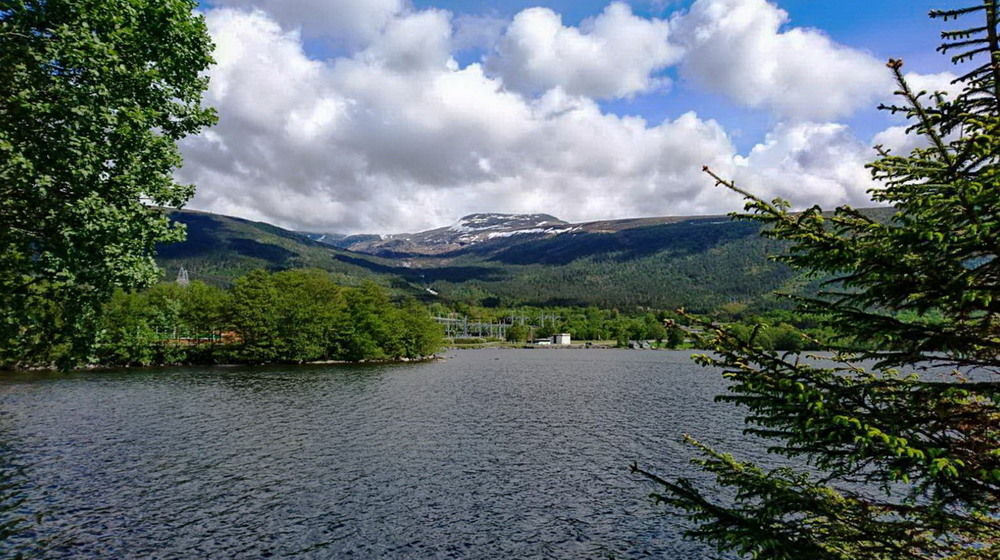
[{"x": 896, "y": 462}]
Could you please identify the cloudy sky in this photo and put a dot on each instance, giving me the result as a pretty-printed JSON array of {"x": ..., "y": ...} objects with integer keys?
[{"x": 388, "y": 116}]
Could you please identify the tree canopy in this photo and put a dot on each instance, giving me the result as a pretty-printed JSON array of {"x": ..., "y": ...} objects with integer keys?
[
  {"x": 891, "y": 464},
  {"x": 292, "y": 316},
  {"x": 94, "y": 95}
]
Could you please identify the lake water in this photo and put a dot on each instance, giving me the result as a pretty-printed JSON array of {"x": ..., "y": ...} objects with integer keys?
[{"x": 485, "y": 454}]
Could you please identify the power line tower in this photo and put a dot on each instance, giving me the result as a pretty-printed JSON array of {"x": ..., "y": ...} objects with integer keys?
[{"x": 182, "y": 277}]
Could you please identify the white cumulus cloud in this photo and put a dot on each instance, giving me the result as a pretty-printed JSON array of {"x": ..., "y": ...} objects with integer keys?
[
  {"x": 353, "y": 21},
  {"x": 932, "y": 83},
  {"x": 395, "y": 135},
  {"x": 739, "y": 48},
  {"x": 612, "y": 55},
  {"x": 365, "y": 143},
  {"x": 809, "y": 163}
]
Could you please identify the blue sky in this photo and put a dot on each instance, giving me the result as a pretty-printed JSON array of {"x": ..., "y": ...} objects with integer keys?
[
  {"x": 885, "y": 28},
  {"x": 877, "y": 25},
  {"x": 395, "y": 115}
]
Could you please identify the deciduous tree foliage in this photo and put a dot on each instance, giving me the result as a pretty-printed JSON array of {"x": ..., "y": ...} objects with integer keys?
[
  {"x": 94, "y": 95},
  {"x": 292, "y": 316},
  {"x": 899, "y": 466}
]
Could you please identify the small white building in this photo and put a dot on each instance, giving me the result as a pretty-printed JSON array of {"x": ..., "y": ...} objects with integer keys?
[{"x": 562, "y": 339}]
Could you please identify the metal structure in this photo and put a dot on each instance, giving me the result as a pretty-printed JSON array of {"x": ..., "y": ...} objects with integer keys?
[
  {"x": 456, "y": 326},
  {"x": 460, "y": 326}
]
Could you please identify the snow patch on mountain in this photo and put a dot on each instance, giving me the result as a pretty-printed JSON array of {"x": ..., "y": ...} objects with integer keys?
[
  {"x": 470, "y": 230},
  {"x": 547, "y": 231},
  {"x": 502, "y": 222}
]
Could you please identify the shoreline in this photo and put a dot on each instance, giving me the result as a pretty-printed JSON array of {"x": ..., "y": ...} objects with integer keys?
[
  {"x": 106, "y": 367},
  {"x": 598, "y": 345}
]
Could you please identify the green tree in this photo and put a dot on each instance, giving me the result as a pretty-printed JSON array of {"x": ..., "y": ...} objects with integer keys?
[
  {"x": 420, "y": 335},
  {"x": 127, "y": 335},
  {"x": 546, "y": 330},
  {"x": 255, "y": 316},
  {"x": 370, "y": 329},
  {"x": 675, "y": 337},
  {"x": 901, "y": 466},
  {"x": 309, "y": 308},
  {"x": 204, "y": 310},
  {"x": 518, "y": 333},
  {"x": 786, "y": 337},
  {"x": 654, "y": 329},
  {"x": 94, "y": 95},
  {"x": 164, "y": 305},
  {"x": 290, "y": 316}
]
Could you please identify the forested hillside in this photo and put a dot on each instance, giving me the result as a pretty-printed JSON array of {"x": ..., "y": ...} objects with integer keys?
[
  {"x": 219, "y": 249},
  {"x": 698, "y": 263}
]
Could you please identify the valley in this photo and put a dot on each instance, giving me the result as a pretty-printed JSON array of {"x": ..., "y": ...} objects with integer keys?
[{"x": 494, "y": 260}]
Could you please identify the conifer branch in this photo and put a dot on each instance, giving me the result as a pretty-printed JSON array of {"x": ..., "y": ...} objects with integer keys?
[
  {"x": 927, "y": 126},
  {"x": 994, "y": 46},
  {"x": 918, "y": 289},
  {"x": 965, "y": 33},
  {"x": 945, "y": 15}
]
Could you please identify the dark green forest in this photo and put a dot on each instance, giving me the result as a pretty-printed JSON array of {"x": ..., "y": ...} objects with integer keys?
[
  {"x": 700, "y": 264},
  {"x": 619, "y": 287}
]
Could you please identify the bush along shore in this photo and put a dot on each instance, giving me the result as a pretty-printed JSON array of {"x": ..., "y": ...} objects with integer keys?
[{"x": 294, "y": 317}]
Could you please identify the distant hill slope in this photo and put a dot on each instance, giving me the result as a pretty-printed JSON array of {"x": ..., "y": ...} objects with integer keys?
[
  {"x": 700, "y": 263},
  {"x": 474, "y": 229},
  {"x": 478, "y": 233},
  {"x": 221, "y": 248}
]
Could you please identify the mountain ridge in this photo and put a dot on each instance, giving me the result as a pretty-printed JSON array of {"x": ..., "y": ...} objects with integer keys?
[
  {"x": 700, "y": 262},
  {"x": 477, "y": 229}
]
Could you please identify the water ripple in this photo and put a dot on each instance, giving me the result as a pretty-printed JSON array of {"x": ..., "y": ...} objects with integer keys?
[{"x": 487, "y": 454}]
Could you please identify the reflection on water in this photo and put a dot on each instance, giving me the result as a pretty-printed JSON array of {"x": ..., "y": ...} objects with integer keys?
[{"x": 487, "y": 454}]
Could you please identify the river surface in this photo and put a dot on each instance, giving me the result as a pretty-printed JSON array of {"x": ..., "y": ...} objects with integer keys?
[{"x": 484, "y": 454}]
